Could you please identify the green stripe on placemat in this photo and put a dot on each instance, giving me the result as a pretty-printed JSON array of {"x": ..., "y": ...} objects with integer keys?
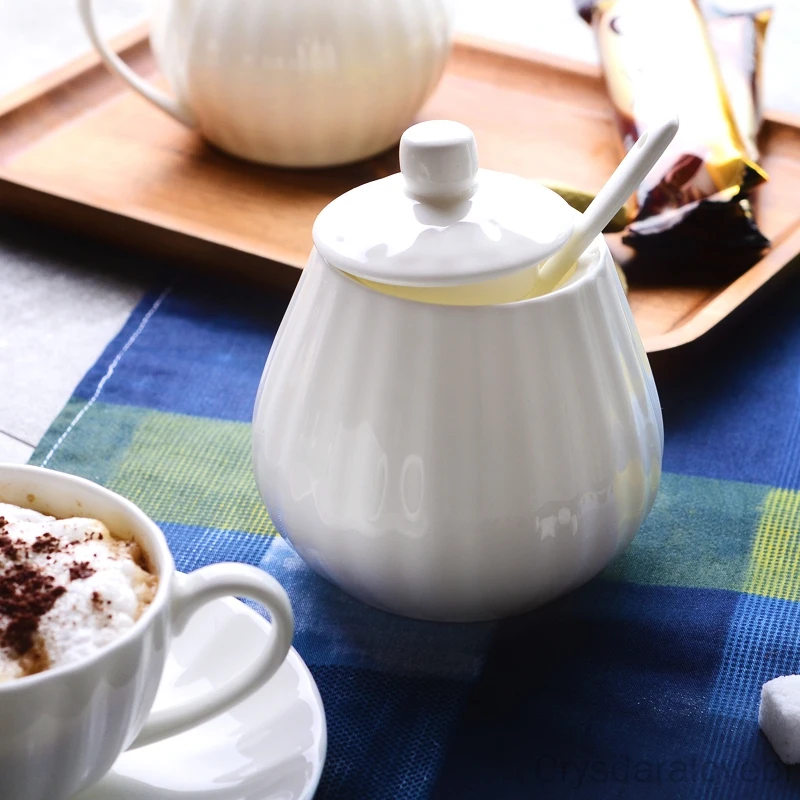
[
  {"x": 176, "y": 468},
  {"x": 90, "y": 440},
  {"x": 699, "y": 534}
]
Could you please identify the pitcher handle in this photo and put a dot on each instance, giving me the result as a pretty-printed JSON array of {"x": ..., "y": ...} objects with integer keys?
[{"x": 174, "y": 107}]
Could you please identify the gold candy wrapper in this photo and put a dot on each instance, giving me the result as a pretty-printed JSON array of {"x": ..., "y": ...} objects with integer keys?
[{"x": 658, "y": 60}]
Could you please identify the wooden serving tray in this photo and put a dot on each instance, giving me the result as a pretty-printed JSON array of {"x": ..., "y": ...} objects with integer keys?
[{"x": 79, "y": 150}]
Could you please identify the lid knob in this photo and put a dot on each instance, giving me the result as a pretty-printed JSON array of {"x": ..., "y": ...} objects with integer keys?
[{"x": 439, "y": 160}]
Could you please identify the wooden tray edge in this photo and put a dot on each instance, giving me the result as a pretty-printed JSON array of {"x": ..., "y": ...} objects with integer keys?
[
  {"x": 734, "y": 295},
  {"x": 144, "y": 237},
  {"x": 27, "y": 193}
]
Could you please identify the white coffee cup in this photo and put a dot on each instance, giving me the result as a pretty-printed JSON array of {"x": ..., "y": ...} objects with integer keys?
[{"x": 61, "y": 730}]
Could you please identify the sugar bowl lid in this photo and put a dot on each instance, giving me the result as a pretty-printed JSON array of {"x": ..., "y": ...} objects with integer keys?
[{"x": 442, "y": 221}]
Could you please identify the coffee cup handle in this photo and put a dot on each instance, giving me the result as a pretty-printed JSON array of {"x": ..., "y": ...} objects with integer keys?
[
  {"x": 174, "y": 107},
  {"x": 195, "y": 590}
]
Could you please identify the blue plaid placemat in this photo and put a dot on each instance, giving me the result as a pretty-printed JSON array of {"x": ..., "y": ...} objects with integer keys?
[{"x": 642, "y": 684}]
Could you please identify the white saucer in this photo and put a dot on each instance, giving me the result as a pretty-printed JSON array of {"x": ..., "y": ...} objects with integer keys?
[{"x": 269, "y": 747}]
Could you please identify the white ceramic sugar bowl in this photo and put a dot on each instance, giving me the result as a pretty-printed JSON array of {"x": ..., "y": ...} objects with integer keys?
[
  {"x": 443, "y": 457},
  {"x": 297, "y": 83}
]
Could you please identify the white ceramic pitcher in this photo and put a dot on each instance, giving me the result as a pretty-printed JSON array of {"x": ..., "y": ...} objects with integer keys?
[
  {"x": 455, "y": 460},
  {"x": 295, "y": 83}
]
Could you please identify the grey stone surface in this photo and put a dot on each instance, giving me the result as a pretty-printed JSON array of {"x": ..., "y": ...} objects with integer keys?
[
  {"x": 65, "y": 299},
  {"x": 38, "y": 36},
  {"x": 13, "y": 450}
]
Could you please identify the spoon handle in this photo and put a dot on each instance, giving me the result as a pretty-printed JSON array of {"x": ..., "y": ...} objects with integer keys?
[{"x": 626, "y": 178}]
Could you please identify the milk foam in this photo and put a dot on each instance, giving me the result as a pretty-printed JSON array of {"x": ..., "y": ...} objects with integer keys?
[{"x": 104, "y": 590}]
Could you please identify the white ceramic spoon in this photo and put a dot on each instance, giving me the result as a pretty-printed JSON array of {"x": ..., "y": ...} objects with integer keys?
[{"x": 632, "y": 170}]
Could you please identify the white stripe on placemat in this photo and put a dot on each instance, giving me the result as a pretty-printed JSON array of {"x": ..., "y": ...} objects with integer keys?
[{"x": 109, "y": 372}]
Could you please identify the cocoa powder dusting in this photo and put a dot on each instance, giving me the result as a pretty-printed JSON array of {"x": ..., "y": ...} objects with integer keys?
[
  {"x": 20, "y": 633},
  {"x": 97, "y": 601},
  {"x": 46, "y": 543},
  {"x": 26, "y": 595},
  {"x": 79, "y": 570},
  {"x": 8, "y": 548}
]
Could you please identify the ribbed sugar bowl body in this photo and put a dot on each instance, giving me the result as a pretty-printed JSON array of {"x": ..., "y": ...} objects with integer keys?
[{"x": 457, "y": 460}]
